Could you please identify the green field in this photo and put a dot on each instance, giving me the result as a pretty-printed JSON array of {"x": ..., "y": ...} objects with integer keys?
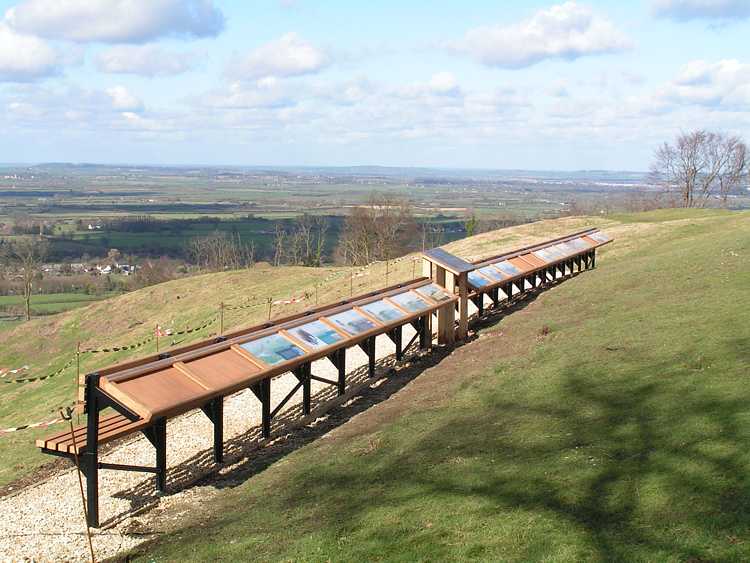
[
  {"x": 50, "y": 303},
  {"x": 608, "y": 420}
]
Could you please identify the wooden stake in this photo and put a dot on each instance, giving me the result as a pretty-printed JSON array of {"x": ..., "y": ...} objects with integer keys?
[
  {"x": 67, "y": 415},
  {"x": 270, "y": 304},
  {"x": 221, "y": 318},
  {"x": 156, "y": 333}
]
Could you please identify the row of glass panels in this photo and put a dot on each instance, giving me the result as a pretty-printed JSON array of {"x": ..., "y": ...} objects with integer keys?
[
  {"x": 502, "y": 271},
  {"x": 276, "y": 348}
]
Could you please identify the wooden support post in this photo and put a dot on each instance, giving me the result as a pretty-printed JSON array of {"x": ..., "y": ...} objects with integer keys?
[
  {"x": 160, "y": 443},
  {"x": 371, "y": 356},
  {"x": 397, "y": 336},
  {"x": 447, "y": 324},
  {"x": 90, "y": 464},
  {"x": 425, "y": 334},
  {"x": 463, "y": 298},
  {"x": 262, "y": 390},
  {"x": 593, "y": 259},
  {"x": 306, "y": 372},
  {"x": 214, "y": 410},
  {"x": 479, "y": 303},
  {"x": 341, "y": 365}
]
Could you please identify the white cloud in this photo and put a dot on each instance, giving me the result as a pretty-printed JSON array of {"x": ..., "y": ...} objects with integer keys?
[
  {"x": 290, "y": 55},
  {"x": 116, "y": 21},
  {"x": 684, "y": 10},
  {"x": 146, "y": 60},
  {"x": 23, "y": 57},
  {"x": 723, "y": 85},
  {"x": 124, "y": 100},
  {"x": 565, "y": 31},
  {"x": 444, "y": 83}
]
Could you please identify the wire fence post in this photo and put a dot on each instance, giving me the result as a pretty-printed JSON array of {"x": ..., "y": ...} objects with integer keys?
[
  {"x": 270, "y": 304},
  {"x": 156, "y": 337},
  {"x": 221, "y": 318},
  {"x": 79, "y": 384}
]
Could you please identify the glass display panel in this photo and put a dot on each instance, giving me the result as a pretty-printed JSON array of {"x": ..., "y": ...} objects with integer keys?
[
  {"x": 599, "y": 237},
  {"x": 580, "y": 244},
  {"x": 316, "y": 334},
  {"x": 567, "y": 248},
  {"x": 434, "y": 292},
  {"x": 544, "y": 255},
  {"x": 352, "y": 322},
  {"x": 562, "y": 249},
  {"x": 554, "y": 252},
  {"x": 508, "y": 268},
  {"x": 476, "y": 280},
  {"x": 383, "y": 311},
  {"x": 273, "y": 349},
  {"x": 411, "y": 302},
  {"x": 492, "y": 273}
]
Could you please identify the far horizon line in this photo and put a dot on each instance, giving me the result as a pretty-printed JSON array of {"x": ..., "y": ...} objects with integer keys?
[{"x": 321, "y": 166}]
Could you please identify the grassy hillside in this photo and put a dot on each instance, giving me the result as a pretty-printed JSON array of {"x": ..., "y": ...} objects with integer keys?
[
  {"x": 607, "y": 420},
  {"x": 49, "y": 343}
]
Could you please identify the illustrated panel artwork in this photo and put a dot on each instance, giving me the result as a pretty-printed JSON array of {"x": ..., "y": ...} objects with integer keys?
[
  {"x": 508, "y": 268},
  {"x": 542, "y": 254},
  {"x": 600, "y": 237},
  {"x": 316, "y": 334},
  {"x": 411, "y": 302},
  {"x": 352, "y": 322},
  {"x": 434, "y": 292},
  {"x": 383, "y": 311},
  {"x": 273, "y": 349},
  {"x": 476, "y": 280},
  {"x": 579, "y": 244},
  {"x": 492, "y": 273}
]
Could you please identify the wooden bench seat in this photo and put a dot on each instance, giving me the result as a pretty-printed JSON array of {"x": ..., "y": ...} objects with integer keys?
[{"x": 111, "y": 427}]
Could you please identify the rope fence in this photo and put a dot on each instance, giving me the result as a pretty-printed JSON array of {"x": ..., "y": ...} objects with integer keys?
[{"x": 255, "y": 302}]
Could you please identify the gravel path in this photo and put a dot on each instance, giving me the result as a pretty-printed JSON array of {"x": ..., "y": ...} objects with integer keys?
[{"x": 44, "y": 522}]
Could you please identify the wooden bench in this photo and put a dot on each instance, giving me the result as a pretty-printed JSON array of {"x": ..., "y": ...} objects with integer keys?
[{"x": 111, "y": 427}]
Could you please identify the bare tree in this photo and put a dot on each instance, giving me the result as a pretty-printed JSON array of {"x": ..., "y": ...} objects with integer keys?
[
  {"x": 26, "y": 255},
  {"x": 380, "y": 230},
  {"x": 219, "y": 251},
  {"x": 279, "y": 244},
  {"x": 700, "y": 164},
  {"x": 432, "y": 234}
]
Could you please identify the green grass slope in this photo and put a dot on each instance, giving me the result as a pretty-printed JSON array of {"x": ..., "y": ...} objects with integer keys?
[
  {"x": 46, "y": 344},
  {"x": 607, "y": 420}
]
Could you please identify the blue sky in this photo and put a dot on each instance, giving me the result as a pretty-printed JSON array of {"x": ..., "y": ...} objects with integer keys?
[{"x": 481, "y": 84}]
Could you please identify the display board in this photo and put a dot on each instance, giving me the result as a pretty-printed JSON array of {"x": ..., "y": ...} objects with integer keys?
[
  {"x": 434, "y": 292},
  {"x": 316, "y": 334},
  {"x": 352, "y": 322},
  {"x": 273, "y": 349},
  {"x": 411, "y": 302},
  {"x": 383, "y": 311}
]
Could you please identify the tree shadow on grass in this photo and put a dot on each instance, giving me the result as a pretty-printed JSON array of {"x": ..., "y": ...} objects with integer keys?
[{"x": 622, "y": 468}]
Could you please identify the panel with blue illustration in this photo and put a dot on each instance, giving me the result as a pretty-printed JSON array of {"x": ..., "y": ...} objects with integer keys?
[
  {"x": 476, "y": 280},
  {"x": 273, "y": 349},
  {"x": 434, "y": 292},
  {"x": 383, "y": 311},
  {"x": 493, "y": 273},
  {"x": 352, "y": 322},
  {"x": 600, "y": 237},
  {"x": 316, "y": 334},
  {"x": 544, "y": 255},
  {"x": 508, "y": 268},
  {"x": 411, "y": 302},
  {"x": 579, "y": 244}
]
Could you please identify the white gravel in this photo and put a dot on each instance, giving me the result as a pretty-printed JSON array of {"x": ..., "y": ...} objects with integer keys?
[{"x": 44, "y": 522}]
